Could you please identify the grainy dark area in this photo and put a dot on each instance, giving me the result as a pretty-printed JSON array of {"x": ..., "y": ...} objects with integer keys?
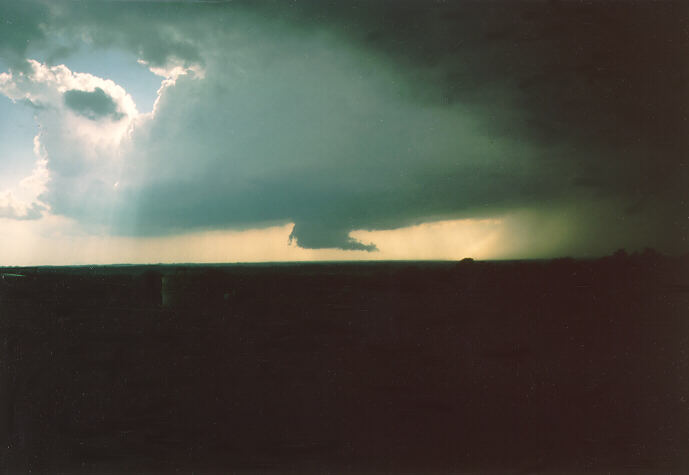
[{"x": 330, "y": 368}]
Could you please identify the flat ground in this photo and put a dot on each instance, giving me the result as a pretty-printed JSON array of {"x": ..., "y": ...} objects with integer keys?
[{"x": 396, "y": 367}]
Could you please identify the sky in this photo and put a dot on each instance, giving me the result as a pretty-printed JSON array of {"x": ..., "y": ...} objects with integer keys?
[{"x": 243, "y": 131}]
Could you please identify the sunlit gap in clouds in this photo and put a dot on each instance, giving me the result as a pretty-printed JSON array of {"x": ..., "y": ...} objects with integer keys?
[{"x": 90, "y": 117}]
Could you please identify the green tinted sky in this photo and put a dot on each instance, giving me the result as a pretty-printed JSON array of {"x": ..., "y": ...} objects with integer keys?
[{"x": 133, "y": 121}]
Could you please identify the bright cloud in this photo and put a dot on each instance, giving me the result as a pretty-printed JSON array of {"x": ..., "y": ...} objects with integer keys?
[{"x": 75, "y": 143}]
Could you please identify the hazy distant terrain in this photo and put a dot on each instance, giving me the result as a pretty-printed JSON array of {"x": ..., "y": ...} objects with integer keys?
[{"x": 414, "y": 367}]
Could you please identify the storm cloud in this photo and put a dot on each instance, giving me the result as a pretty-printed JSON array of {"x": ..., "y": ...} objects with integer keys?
[
  {"x": 339, "y": 116},
  {"x": 95, "y": 104}
]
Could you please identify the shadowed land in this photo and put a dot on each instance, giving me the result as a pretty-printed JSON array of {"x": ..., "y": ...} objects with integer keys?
[{"x": 414, "y": 367}]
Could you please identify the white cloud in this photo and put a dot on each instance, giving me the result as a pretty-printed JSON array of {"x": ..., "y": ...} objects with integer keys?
[
  {"x": 43, "y": 87},
  {"x": 82, "y": 159},
  {"x": 170, "y": 73},
  {"x": 23, "y": 201},
  {"x": 72, "y": 151}
]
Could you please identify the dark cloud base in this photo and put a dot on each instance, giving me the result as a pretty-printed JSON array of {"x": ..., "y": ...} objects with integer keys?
[{"x": 94, "y": 105}]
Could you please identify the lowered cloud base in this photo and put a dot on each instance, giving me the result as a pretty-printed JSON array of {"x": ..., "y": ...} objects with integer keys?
[{"x": 47, "y": 243}]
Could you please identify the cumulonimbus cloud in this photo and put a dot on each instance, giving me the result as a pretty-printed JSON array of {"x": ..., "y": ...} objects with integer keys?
[
  {"x": 322, "y": 134},
  {"x": 264, "y": 116}
]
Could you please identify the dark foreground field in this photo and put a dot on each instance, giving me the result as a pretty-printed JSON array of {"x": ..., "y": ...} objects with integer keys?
[{"x": 331, "y": 368}]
